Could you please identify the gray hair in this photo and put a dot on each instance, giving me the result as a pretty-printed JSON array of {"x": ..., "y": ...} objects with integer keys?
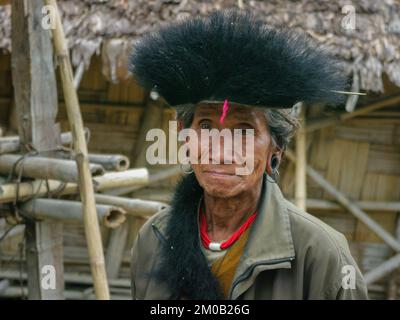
[
  {"x": 281, "y": 123},
  {"x": 282, "y": 126}
]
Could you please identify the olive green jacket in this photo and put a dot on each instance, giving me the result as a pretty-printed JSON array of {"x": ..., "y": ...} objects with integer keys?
[{"x": 289, "y": 255}]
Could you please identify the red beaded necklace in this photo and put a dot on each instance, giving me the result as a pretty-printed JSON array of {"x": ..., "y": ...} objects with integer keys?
[{"x": 215, "y": 246}]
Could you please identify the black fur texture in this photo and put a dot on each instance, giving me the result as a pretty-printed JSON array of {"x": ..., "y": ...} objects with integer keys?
[
  {"x": 183, "y": 266},
  {"x": 231, "y": 55}
]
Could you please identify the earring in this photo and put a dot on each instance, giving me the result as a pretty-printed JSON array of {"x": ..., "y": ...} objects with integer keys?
[
  {"x": 186, "y": 168},
  {"x": 274, "y": 163}
]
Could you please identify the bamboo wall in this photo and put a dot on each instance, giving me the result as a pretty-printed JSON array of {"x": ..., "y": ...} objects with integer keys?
[{"x": 360, "y": 157}]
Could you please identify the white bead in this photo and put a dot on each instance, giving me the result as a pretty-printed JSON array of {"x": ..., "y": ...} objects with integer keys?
[{"x": 215, "y": 246}]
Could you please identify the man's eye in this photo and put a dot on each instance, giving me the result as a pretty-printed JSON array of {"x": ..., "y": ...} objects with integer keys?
[
  {"x": 205, "y": 125},
  {"x": 244, "y": 132}
]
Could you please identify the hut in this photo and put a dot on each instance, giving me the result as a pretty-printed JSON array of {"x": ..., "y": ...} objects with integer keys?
[{"x": 343, "y": 166}]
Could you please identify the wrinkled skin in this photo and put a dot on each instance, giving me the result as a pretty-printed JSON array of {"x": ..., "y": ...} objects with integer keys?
[
  {"x": 220, "y": 180},
  {"x": 229, "y": 198}
]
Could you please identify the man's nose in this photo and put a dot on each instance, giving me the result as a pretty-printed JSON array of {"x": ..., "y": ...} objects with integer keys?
[{"x": 221, "y": 150}]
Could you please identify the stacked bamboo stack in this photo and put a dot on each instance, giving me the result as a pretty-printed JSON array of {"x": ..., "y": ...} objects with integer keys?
[
  {"x": 46, "y": 188},
  {"x": 40, "y": 185},
  {"x": 28, "y": 180}
]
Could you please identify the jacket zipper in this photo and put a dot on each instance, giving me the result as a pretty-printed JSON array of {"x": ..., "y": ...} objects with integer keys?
[{"x": 249, "y": 271}]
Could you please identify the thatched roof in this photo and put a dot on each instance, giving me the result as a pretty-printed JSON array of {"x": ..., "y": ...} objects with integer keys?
[{"x": 111, "y": 26}]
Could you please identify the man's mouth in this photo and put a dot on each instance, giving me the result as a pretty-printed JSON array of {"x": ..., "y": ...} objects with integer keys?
[{"x": 219, "y": 173}]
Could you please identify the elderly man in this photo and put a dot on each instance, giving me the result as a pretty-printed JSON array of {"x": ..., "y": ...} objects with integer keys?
[{"x": 229, "y": 235}]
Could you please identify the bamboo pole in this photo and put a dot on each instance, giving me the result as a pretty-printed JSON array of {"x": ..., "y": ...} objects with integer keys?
[
  {"x": 70, "y": 277},
  {"x": 71, "y": 211},
  {"x": 12, "y": 144},
  {"x": 133, "y": 207},
  {"x": 39, "y": 188},
  {"x": 18, "y": 291},
  {"x": 110, "y": 162},
  {"x": 4, "y": 284},
  {"x": 319, "y": 204},
  {"x": 16, "y": 230},
  {"x": 44, "y": 168},
  {"x": 320, "y": 124},
  {"x": 156, "y": 195},
  {"x": 349, "y": 205},
  {"x": 78, "y": 75},
  {"x": 126, "y": 178},
  {"x": 91, "y": 224},
  {"x": 383, "y": 269},
  {"x": 154, "y": 178},
  {"x": 391, "y": 290},
  {"x": 115, "y": 250},
  {"x": 301, "y": 161}
]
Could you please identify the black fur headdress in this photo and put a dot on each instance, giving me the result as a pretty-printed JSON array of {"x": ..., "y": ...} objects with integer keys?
[{"x": 230, "y": 55}]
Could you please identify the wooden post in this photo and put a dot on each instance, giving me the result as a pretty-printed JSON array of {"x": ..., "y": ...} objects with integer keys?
[
  {"x": 35, "y": 93},
  {"x": 91, "y": 223},
  {"x": 301, "y": 161}
]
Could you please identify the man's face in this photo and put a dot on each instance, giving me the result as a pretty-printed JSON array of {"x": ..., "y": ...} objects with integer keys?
[{"x": 222, "y": 180}]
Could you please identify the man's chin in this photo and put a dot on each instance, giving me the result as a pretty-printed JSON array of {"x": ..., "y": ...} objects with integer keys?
[{"x": 221, "y": 190}]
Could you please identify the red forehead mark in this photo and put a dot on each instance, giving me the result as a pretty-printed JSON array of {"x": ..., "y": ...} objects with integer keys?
[{"x": 224, "y": 111}]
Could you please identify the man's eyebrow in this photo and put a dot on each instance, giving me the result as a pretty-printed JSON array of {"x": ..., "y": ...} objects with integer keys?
[
  {"x": 242, "y": 113},
  {"x": 244, "y": 117},
  {"x": 207, "y": 111},
  {"x": 204, "y": 114}
]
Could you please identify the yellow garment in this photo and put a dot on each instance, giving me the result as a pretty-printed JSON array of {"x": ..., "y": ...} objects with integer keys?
[{"x": 224, "y": 268}]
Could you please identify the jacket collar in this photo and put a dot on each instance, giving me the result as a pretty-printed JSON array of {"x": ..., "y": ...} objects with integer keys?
[
  {"x": 270, "y": 238},
  {"x": 270, "y": 244}
]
